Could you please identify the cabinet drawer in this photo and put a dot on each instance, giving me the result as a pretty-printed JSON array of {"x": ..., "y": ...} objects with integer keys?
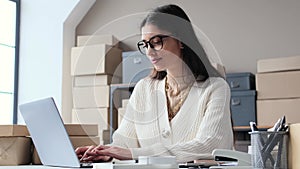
[
  {"x": 135, "y": 66},
  {"x": 243, "y": 107},
  {"x": 241, "y": 81}
]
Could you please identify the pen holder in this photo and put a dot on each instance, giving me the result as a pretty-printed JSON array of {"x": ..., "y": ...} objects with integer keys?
[{"x": 269, "y": 150}]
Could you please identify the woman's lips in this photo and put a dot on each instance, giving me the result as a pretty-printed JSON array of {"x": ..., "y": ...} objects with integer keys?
[{"x": 155, "y": 60}]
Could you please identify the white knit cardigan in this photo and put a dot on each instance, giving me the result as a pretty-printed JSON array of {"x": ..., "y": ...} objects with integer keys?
[{"x": 202, "y": 124}]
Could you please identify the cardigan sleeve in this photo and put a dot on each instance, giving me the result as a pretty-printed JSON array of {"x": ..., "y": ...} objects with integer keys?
[{"x": 215, "y": 130}]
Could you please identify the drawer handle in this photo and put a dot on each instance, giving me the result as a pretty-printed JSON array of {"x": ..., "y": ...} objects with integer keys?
[
  {"x": 234, "y": 84},
  {"x": 235, "y": 102},
  {"x": 137, "y": 60}
]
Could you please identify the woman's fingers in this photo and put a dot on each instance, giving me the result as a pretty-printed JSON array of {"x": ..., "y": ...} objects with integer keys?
[
  {"x": 102, "y": 159},
  {"x": 88, "y": 154},
  {"x": 115, "y": 152},
  {"x": 81, "y": 150}
]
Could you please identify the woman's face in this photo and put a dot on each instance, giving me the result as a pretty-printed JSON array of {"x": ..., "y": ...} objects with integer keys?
[{"x": 168, "y": 57}]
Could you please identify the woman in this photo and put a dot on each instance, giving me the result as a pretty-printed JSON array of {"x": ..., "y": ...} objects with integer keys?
[{"x": 182, "y": 108}]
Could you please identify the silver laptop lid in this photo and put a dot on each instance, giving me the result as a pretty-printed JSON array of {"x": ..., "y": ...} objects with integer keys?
[{"x": 48, "y": 133}]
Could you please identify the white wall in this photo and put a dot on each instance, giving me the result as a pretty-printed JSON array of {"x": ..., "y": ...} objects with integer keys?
[
  {"x": 41, "y": 49},
  {"x": 242, "y": 31}
]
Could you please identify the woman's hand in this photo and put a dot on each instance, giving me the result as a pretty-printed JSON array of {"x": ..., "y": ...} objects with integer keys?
[
  {"x": 87, "y": 154},
  {"x": 112, "y": 151},
  {"x": 102, "y": 153}
]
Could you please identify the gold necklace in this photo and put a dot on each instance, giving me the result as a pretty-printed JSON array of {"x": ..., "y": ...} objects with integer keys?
[{"x": 176, "y": 96}]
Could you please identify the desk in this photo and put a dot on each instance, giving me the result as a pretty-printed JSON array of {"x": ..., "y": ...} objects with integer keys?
[{"x": 96, "y": 166}]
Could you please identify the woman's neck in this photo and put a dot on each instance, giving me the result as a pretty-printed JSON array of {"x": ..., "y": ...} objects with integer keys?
[{"x": 180, "y": 81}]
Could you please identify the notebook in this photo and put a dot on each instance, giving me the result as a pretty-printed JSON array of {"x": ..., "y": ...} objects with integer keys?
[{"x": 49, "y": 135}]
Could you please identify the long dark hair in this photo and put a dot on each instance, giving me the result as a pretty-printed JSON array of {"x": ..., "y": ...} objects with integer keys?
[{"x": 173, "y": 19}]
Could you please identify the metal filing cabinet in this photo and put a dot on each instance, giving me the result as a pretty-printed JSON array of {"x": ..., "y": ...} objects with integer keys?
[
  {"x": 243, "y": 107},
  {"x": 241, "y": 81},
  {"x": 135, "y": 66},
  {"x": 243, "y": 98}
]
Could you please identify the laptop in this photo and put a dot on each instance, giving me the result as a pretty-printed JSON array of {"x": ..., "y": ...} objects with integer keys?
[{"x": 49, "y": 135}]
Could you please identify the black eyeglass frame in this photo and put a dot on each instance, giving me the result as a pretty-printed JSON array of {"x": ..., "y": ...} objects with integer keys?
[{"x": 144, "y": 44}]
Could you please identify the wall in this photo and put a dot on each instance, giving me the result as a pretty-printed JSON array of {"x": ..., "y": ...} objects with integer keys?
[
  {"x": 241, "y": 31},
  {"x": 41, "y": 49}
]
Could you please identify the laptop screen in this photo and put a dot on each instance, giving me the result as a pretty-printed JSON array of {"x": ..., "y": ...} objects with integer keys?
[{"x": 48, "y": 133}]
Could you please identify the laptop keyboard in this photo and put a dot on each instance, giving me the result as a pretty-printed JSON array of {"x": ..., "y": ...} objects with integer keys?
[{"x": 86, "y": 165}]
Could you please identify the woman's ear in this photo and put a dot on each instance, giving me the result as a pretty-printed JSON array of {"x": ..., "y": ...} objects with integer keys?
[{"x": 181, "y": 46}]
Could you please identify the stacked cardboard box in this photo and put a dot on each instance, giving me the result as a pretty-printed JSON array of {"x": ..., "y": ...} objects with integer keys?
[
  {"x": 80, "y": 135},
  {"x": 15, "y": 146},
  {"x": 95, "y": 64},
  {"x": 278, "y": 90},
  {"x": 294, "y": 146},
  {"x": 121, "y": 110}
]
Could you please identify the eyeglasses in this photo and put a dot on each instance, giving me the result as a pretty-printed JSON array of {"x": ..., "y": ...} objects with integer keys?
[{"x": 155, "y": 42}]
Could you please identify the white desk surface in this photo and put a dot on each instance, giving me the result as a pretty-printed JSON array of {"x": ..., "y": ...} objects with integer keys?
[{"x": 96, "y": 166}]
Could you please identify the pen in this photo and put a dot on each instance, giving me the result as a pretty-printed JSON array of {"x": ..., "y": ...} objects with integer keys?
[{"x": 253, "y": 126}]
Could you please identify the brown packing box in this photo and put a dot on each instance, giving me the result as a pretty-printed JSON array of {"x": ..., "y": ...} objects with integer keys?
[
  {"x": 106, "y": 136},
  {"x": 13, "y": 130},
  {"x": 84, "y": 141},
  {"x": 97, "y": 39},
  {"x": 121, "y": 113},
  {"x": 15, "y": 150},
  {"x": 72, "y": 129},
  {"x": 278, "y": 64},
  {"x": 99, "y": 116},
  {"x": 96, "y": 59},
  {"x": 82, "y": 129},
  {"x": 125, "y": 102},
  {"x": 76, "y": 142},
  {"x": 91, "y": 97},
  {"x": 294, "y": 146},
  {"x": 269, "y": 111},
  {"x": 95, "y": 80},
  {"x": 278, "y": 85}
]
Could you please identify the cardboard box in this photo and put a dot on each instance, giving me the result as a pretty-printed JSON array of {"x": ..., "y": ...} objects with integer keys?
[
  {"x": 13, "y": 130},
  {"x": 121, "y": 113},
  {"x": 96, "y": 59},
  {"x": 82, "y": 129},
  {"x": 91, "y": 97},
  {"x": 106, "y": 136},
  {"x": 294, "y": 146},
  {"x": 84, "y": 141},
  {"x": 278, "y": 85},
  {"x": 124, "y": 102},
  {"x": 278, "y": 64},
  {"x": 99, "y": 116},
  {"x": 269, "y": 111},
  {"x": 76, "y": 142},
  {"x": 95, "y": 80},
  {"x": 15, "y": 150},
  {"x": 97, "y": 39}
]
